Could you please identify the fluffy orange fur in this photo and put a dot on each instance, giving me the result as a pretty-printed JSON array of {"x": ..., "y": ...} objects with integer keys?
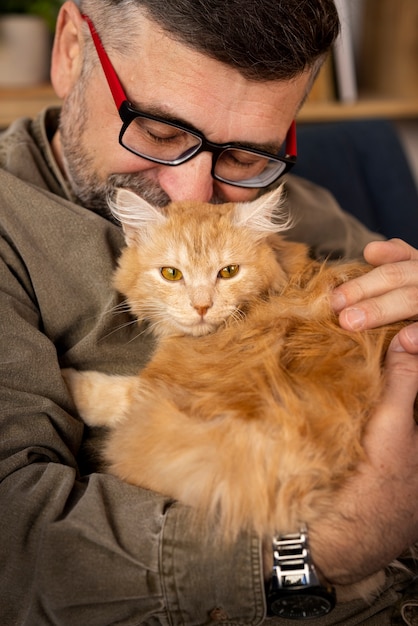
[
  {"x": 260, "y": 421},
  {"x": 253, "y": 412}
]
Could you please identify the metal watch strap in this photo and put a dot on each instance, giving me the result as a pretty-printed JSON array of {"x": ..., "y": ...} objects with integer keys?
[
  {"x": 292, "y": 564},
  {"x": 294, "y": 591}
]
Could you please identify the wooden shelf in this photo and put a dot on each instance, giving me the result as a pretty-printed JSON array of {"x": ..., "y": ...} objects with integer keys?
[
  {"x": 24, "y": 102},
  {"x": 365, "y": 107},
  {"x": 29, "y": 101}
]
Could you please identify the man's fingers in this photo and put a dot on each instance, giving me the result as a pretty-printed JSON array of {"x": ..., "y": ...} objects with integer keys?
[
  {"x": 386, "y": 294},
  {"x": 391, "y": 306},
  {"x": 378, "y": 281},
  {"x": 390, "y": 439},
  {"x": 391, "y": 251},
  {"x": 401, "y": 389},
  {"x": 401, "y": 368},
  {"x": 406, "y": 340}
]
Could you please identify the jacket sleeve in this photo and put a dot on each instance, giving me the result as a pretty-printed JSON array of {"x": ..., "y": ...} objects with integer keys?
[{"x": 90, "y": 549}]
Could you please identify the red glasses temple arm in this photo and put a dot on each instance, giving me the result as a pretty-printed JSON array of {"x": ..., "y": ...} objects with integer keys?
[
  {"x": 111, "y": 76},
  {"x": 291, "y": 143}
]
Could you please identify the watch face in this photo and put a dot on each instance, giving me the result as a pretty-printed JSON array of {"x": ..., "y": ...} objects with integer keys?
[{"x": 303, "y": 606}]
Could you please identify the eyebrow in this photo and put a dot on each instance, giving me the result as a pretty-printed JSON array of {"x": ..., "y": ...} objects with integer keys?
[{"x": 165, "y": 116}]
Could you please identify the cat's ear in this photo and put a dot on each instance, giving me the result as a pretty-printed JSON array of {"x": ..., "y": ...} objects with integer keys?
[
  {"x": 265, "y": 214},
  {"x": 135, "y": 214}
]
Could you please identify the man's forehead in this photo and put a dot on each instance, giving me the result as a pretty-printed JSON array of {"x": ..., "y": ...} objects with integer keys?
[{"x": 167, "y": 78}]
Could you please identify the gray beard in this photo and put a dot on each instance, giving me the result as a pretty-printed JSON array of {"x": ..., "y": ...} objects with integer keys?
[
  {"x": 93, "y": 193},
  {"x": 96, "y": 197}
]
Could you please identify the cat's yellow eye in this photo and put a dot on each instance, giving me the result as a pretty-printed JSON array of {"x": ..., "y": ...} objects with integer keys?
[
  {"x": 229, "y": 271},
  {"x": 171, "y": 273}
]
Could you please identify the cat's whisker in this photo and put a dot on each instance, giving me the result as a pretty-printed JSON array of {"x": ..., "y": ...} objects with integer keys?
[
  {"x": 121, "y": 307},
  {"x": 119, "y": 327},
  {"x": 135, "y": 337},
  {"x": 237, "y": 315},
  {"x": 149, "y": 328},
  {"x": 114, "y": 310},
  {"x": 154, "y": 316},
  {"x": 156, "y": 323}
]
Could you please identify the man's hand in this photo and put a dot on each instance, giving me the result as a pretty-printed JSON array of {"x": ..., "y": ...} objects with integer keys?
[
  {"x": 375, "y": 515},
  {"x": 388, "y": 293}
]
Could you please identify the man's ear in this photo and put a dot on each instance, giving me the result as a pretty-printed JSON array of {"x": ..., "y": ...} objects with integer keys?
[{"x": 67, "y": 55}]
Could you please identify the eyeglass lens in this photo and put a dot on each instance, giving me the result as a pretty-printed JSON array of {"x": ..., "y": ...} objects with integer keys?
[
  {"x": 165, "y": 143},
  {"x": 159, "y": 140}
]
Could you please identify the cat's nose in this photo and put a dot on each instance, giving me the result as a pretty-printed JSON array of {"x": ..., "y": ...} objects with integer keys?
[
  {"x": 190, "y": 181},
  {"x": 202, "y": 310}
]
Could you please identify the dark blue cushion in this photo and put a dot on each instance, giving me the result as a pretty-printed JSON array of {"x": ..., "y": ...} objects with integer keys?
[{"x": 362, "y": 162}]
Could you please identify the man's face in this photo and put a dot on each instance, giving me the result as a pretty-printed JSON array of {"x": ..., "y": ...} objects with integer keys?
[{"x": 168, "y": 79}]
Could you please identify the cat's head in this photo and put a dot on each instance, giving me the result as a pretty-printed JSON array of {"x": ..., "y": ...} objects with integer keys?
[{"x": 190, "y": 266}]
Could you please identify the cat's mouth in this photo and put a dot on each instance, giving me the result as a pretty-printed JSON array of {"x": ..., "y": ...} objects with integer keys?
[{"x": 197, "y": 328}]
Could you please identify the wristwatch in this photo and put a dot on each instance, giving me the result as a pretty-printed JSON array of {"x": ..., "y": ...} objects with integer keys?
[{"x": 294, "y": 590}]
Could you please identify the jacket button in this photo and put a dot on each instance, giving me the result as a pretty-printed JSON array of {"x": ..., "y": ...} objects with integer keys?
[{"x": 218, "y": 615}]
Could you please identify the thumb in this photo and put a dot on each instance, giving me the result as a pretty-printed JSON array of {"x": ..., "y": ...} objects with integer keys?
[
  {"x": 391, "y": 436},
  {"x": 406, "y": 340},
  {"x": 401, "y": 370}
]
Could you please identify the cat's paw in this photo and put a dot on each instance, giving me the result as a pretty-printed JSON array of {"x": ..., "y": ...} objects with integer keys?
[{"x": 99, "y": 400}]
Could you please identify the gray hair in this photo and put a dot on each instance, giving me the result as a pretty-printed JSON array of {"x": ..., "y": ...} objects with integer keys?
[{"x": 262, "y": 39}]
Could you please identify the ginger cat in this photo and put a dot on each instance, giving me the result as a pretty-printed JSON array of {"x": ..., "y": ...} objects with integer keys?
[{"x": 253, "y": 405}]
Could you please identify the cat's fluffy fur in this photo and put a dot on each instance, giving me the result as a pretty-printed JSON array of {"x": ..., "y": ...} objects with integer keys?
[{"x": 253, "y": 406}]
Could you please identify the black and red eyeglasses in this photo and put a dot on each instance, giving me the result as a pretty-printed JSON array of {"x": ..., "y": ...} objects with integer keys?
[{"x": 168, "y": 143}]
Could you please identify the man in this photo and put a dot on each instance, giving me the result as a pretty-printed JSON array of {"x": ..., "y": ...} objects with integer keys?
[{"x": 80, "y": 547}]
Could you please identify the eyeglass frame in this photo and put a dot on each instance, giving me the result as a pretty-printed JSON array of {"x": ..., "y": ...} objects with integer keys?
[{"x": 128, "y": 113}]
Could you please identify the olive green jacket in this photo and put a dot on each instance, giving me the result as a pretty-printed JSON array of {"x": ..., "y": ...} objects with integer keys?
[{"x": 77, "y": 547}]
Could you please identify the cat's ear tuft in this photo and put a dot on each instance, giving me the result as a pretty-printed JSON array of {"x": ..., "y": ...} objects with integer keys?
[
  {"x": 265, "y": 214},
  {"x": 134, "y": 213}
]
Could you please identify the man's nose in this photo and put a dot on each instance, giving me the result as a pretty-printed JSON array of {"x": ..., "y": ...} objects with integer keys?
[{"x": 190, "y": 181}]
